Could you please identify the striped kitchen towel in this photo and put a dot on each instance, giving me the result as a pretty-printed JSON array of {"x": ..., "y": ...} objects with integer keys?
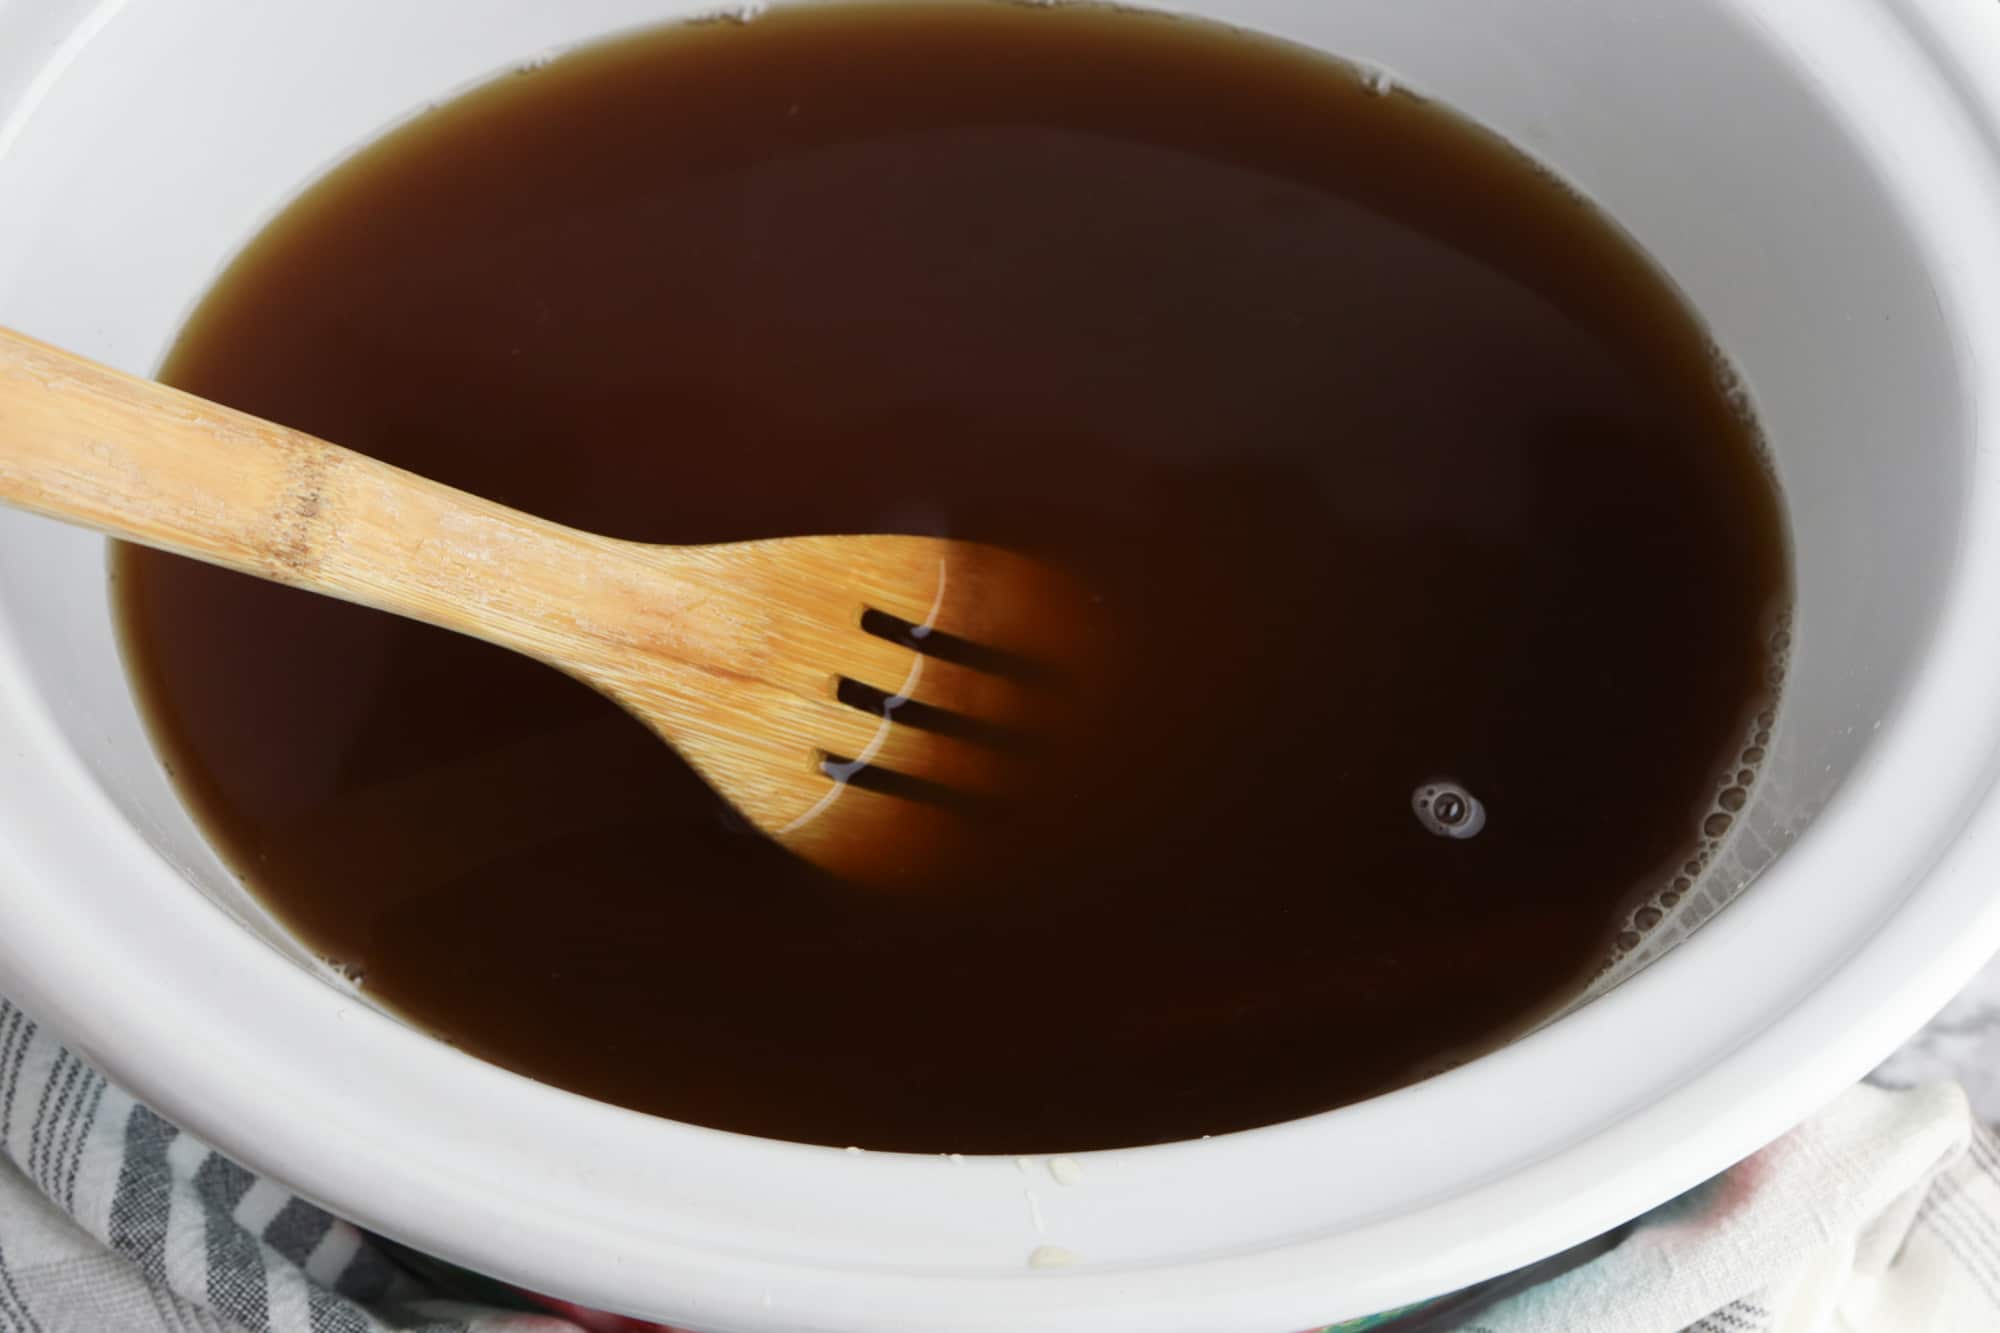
[
  {"x": 113, "y": 1221},
  {"x": 1880, "y": 1215}
]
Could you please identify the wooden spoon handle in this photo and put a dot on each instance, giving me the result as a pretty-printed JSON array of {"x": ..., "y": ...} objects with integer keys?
[{"x": 94, "y": 446}]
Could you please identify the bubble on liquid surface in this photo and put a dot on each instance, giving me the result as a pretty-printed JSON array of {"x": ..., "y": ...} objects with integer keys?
[{"x": 1445, "y": 808}]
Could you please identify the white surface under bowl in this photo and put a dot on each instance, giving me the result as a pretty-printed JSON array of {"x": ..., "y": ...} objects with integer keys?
[{"x": 1821, "y": 176}]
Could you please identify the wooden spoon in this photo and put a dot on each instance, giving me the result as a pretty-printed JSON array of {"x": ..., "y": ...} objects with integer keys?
[{"x": 849, "y": 695}]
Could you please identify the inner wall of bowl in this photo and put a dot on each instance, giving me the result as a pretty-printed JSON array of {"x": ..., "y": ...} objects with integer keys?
[{"x": 1703, "y": 144}]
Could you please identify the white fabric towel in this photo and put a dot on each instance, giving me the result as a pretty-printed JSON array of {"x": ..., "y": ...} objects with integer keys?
[{"x": 1879, "y": 1215}]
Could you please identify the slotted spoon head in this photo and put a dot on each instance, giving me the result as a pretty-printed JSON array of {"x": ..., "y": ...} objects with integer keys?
[{"x": 903, "y": 686}]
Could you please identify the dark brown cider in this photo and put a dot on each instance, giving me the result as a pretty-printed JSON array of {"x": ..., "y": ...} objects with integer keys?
[{"x": 1406, "y": 465}]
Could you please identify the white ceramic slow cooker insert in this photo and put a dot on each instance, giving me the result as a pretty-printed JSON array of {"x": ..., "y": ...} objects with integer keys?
[{"x": 1821, "y": 177}]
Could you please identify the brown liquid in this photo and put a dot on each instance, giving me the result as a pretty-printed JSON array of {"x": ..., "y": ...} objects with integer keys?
[{"x": 1406, "y": 464}]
